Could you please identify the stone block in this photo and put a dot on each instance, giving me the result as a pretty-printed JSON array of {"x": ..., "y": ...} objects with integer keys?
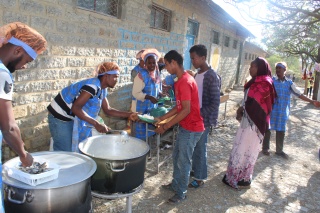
[
  {"x": 8, "y": 3},
  {"x": 119, "y": 53},
  {"x": 85, "y": 51},
  {"x": 76, "y": 15},
  {"x": 76, "y": 62},
  {"x": 76, "y": 40},
  {"x": 132, "y": 54},
  {"x": 33, "y": 7},
  {"x": 29, "y": 98},
  {"x": 87, "y": 72},
  {"x": 9, "y": 16},
  {"x": 34, "y": 109},
  {"x": 60, "y": 84},
  {"x": 20, "y": 111},
  {"x": 104, "y": 52},
  {"x": 124, "y": 62},
  {"x": 96, "y": 41},
  {"x": 68, "y": 73},
  {"x": 42, "y": 23},
  {"x": 66, "y": 27},
  {"x": 63, "y": 50},
  {"x": 92, "y": 62},
  {"x": 113, "y": 43},
  {"x": 55, "y": 38},
  {"x": 127, "y": 45},
  {"x": 54, "y": 11},
  {"x": 52, "y": 62}
]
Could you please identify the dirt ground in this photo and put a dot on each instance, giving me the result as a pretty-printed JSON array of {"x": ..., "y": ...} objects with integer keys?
[{"x": 278, "y": 185}]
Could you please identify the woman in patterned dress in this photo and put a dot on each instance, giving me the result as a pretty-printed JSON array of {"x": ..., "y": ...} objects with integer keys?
[{"x": 254, "y": 117}]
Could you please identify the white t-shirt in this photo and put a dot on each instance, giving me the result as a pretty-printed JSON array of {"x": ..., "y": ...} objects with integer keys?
[
  {"x": 199, "y": 80},
  {"x": 6, "y": 83}
]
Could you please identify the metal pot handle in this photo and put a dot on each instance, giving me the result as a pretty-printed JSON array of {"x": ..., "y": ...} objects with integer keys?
[
  {"x": 16, "y": 201},
  {"x": 117, "y": 170}
]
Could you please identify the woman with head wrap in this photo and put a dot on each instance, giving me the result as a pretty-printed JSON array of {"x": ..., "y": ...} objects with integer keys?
[
  {"x": 19, "y": 45},
  {"x": 146, "y": 89},
  {"x": 254, "y": 117},
  {"x": 73, "y": 112}
]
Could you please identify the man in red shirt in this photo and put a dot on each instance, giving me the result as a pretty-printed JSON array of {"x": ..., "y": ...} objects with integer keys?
[{"x": 187, "y": 114}]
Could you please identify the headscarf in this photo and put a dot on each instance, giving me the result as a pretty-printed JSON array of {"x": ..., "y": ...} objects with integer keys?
[
  {"x": 155, "y": 76},
  {"x": 107, "y": 68},
  {"x": 138, "y": 56},
  {"x": 261, "y": 95},
  {"x": 22, "y": 35}
]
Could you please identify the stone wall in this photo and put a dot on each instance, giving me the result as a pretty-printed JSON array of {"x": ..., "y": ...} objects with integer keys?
[{"x": 79, "y": 39}]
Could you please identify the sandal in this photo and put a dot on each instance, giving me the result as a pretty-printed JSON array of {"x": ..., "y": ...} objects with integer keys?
[
  {"x": 196, "y": 184},
  {"x": 176, "y": 199}
]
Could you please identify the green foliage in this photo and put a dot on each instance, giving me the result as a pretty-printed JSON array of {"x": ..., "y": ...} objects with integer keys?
[{"x": 292, "y": 62}]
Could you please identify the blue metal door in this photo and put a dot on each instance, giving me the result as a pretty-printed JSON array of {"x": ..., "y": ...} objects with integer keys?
[{"x": 187, "y": 60}]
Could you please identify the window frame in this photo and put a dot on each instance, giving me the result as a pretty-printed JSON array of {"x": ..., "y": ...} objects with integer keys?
[
  {"x": 167, "y": 13},
  {"x": 118, "y": 12},
  {"x": 226, "y": 41},
  {"x": 214, "y": 32},
  {"x": 235, "y": 44}
]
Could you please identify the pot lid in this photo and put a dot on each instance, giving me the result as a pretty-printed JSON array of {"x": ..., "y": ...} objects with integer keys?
[{"x": 74, "y": 168}]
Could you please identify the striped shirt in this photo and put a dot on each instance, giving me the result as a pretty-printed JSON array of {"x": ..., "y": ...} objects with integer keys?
[{"x": 60, "y": 107}]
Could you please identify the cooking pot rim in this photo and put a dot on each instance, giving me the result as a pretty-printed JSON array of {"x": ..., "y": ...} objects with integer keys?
[{"x": 113, "y": 158}]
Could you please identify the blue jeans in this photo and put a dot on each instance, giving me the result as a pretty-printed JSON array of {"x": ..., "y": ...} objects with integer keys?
[
  {"x": 199, "y": 158},
  {"x": 61, "y": 133},
  {"x": 182, "y": 156}
]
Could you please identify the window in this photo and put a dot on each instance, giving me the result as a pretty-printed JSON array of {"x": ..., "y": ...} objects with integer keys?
[
  {"x": 246, "y": 56},
  {"x": 160, "y": 18},
  {"x": 108, "y": 7},
  {"x": 249, "y": 56},
  {"x": 192, "y": 28},
  {"x": 226, "y": 41},
  {"x": 216, "y": 36},
  {"x": 235, "y": 44}
]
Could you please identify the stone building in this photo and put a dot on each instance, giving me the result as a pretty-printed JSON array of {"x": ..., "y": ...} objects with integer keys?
[{"x": 80, "y": 35}]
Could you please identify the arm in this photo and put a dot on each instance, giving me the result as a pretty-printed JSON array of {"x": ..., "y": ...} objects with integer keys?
[
  {"x": 297, "y": 92},
  {"x": 11, "y": 132},
  {"x": 186, "y": 107},
  {"x": 138, "y": 86},
  {"x": 80, "y": 113},
  {"x": 114, "y": 112}
]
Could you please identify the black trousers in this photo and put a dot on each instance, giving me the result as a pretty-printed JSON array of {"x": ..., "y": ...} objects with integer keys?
[{"x": 279, "y": 141}]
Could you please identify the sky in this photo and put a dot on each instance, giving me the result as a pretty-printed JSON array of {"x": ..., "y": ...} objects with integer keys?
[{"x": 253, "y": 27}]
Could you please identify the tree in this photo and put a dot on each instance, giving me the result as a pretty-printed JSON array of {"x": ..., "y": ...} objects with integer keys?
[{"x": 293, "y": 27}]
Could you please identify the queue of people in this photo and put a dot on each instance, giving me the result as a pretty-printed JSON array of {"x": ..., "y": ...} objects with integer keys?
[{"x": 73, "y": 113}]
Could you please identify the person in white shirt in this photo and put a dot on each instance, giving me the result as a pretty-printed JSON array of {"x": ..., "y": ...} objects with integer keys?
[{"x": 19, "y": 45}]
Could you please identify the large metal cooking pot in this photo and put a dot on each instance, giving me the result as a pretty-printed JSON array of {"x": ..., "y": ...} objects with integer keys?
[
  {"x": 70, "y": 192},
  {"x": 120, "y": 163}
]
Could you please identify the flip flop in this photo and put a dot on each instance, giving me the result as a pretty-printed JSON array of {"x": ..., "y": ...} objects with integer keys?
[{"x": 195, "y": 184}]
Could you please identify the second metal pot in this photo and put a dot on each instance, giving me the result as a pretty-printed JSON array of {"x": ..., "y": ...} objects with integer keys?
[{"x": 120, "y": 165}]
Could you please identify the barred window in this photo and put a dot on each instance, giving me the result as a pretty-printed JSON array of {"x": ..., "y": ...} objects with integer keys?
[
  {"x": 216, "y": 36},
  {"x": 235, "y": 44},
  {"x": 226, "y": 41},
  {"x": 193, "y": 28},
  {"x": 246, "y": 56},
  {"x": 249, "y": 56},
  {"x": 108, "y": 7},
  {"x": 160, "y": 18}
]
